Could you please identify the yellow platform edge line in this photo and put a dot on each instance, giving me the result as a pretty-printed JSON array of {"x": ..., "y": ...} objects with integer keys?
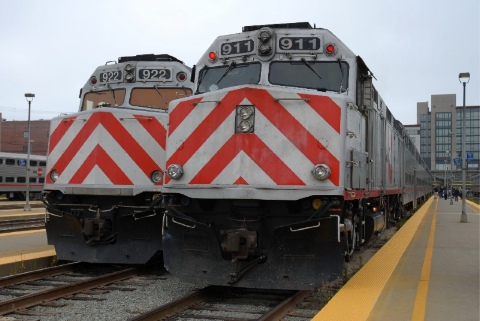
[
  {"x": 36, "y": 253},
  {"x": 420, "y": 303},
  {"x": 21, "y": 215},
  {"x": 361, "y": 292}
]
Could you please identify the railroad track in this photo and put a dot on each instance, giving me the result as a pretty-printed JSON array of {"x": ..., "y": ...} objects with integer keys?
[
  {"x": 234, "y": 304},
  {"x": 15, "y": 225},
  {"x": 44, "y": 286}
]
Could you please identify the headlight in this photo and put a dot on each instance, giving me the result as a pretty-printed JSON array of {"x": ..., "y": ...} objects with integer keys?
[
  {"x": 244, "y": 126},
  {"x": 54, "y": 175},
  {"x": 245, "y": 119},
  {"x": 321, "y": 171},
  {"x": 156, "y": 176},
  {"x": 245, "y": 112},
  {"x": 175, "y": 171}
]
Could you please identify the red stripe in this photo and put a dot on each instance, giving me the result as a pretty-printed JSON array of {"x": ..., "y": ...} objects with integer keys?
[
  {"x": 153, "y": 126},
  {"x": 260, "y": 153},
  {"x": 240, "y": 181},
  {"x": 181, "y": 111},
  {"x": 107, "y": 165},
  {"x": 326, "y": 108},
  {"x": 59, "y": 132}
]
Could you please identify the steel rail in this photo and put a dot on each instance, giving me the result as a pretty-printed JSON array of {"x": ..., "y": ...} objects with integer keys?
[
  {"x": 287, "y": 305},
  {"x": 176, "y": 306},
  {"x": 38, "y": 274},
  {"x": 21, "y": 225},
  {"x": 33, "y": 299}
]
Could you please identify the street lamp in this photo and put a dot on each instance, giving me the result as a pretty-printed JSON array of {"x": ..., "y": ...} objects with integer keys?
[
  {"x": 450, "y": 176},
  {"x": 29, "y": 98},
  {"x": 464, "y": 78}
]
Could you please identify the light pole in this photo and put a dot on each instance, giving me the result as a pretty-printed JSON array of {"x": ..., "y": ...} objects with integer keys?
[
  {"x": 445, "y": 179},
  {"x": 450, "y": 174},
  {"x": 464, "y": 78},
  {"x": 29, "y": 98}
]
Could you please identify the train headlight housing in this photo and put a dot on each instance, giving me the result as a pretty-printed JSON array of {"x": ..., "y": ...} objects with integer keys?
[
  {"x": 175, "y": 171},
  {"x": 244, "y": 119},
  {"x": 129, "y": 73},
  {"x": 54, "y": 175},
  {"x": 265, "y": 45},
  {"x": 245, "y": 112},
  {"x": 244, "y": 126},
  {"x": 156, "y": 176},
  {"x": 129, "y": 78},
  {"x": 321, "y": 172}
]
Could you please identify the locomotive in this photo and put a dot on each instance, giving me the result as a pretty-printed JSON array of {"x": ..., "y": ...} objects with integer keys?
[
  {"x": 284, "y": 162},
  {"x": 105, "y": 163}
]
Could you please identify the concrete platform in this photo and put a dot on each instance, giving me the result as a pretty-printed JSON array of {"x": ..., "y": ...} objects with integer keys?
[
  {"x": 24, "y": 251},
  {"x": 429, "y": 270}
]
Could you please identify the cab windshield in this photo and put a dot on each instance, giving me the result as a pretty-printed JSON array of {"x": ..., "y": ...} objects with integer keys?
[
  {"x": 233, "y": 74},
  {"x": 157, "y": 97},
  {"x": 319, "y": 75},
  {"x": 107, "y": 98}
]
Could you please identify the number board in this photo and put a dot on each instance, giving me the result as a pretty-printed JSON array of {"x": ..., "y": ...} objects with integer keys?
[
  {"x": 236, "y": 47},
  {"x": 111, "y": 76},
  {"x": 155, "y": 74},
  {"x": 300, "y": 43}
]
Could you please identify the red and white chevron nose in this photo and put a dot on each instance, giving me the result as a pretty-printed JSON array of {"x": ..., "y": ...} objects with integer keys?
[
  {"x": 291, "y": 134},
  {"x": 107, "y": 148}
]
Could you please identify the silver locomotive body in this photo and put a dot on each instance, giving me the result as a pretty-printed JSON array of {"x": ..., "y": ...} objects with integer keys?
[
  {"x": 105, "y": 164},
  {"x": 284, "y": 162}
]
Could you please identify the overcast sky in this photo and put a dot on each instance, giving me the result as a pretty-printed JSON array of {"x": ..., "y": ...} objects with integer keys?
[{"x": 415, "y": 48}]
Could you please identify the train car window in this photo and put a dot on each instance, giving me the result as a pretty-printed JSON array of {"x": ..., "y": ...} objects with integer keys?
[
  {"x": 9, "y": 161},
  {"x": 41, "y": 180},
  {"x": 1, "y": 161},
  {"x": 233, "y": 74},
  {"x": 1, "y": 179},
  {"x": 21, "y": 179},
  {"x": 157, "y": 97},
  {"x": 33, "y": 179},
  {"x": 33, "y": 163},
  {"x": 319, "y": 75},
  {"x": 9, "y": 179},
  {"x": 43, "y": 163},
  {"x": 21, "y": 162},
  {"x": 106, "y": 98}
]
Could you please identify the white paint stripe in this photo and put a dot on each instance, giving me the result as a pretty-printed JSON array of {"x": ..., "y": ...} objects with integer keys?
[{"x": 243, "y": 166}]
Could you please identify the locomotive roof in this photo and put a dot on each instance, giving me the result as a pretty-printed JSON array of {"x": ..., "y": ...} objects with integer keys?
[
  {"x": 149, "y": 57},
  {"x": 293, "y": 25}
]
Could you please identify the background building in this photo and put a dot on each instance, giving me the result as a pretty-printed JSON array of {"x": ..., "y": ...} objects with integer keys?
[
  {"x": 441, "y": 138},
  {"x": 14, "y": 136}
]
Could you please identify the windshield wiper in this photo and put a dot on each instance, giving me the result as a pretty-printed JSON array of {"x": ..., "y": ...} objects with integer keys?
[
  {"x": 232, "y": 65},
  {"x": 341, "y": 70},
  {"x": 310, "y": 67},
  {"x": 113, "y": 94},
  {"x": 158, "y": 91}
]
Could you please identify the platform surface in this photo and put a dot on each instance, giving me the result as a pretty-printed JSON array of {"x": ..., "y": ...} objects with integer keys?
[
  {"x": 26, "y": 250},
  {"x": 429, "y": 270}
]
